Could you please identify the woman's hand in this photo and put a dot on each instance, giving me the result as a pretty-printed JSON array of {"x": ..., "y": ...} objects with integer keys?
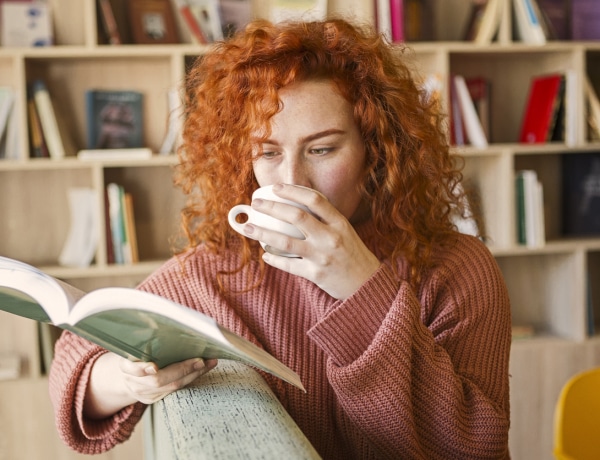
[
  {"x": 332, "y": 256},
  {"x": 116, "y": 382}
]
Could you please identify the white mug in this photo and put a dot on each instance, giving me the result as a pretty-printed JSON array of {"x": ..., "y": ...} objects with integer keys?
[{"x": 265, "y": 221}]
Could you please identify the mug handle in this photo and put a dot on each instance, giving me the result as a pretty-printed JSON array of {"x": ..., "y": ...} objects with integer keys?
[{"x": 236, "y": 211}]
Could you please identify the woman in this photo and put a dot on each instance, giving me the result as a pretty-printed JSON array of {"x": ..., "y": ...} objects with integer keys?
[{"x": 398, "y": 326}]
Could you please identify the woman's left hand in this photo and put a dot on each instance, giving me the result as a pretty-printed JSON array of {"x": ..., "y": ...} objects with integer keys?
[{"x": 332, "y": 256}]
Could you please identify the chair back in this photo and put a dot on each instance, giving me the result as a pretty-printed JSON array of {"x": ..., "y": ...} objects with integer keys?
[{"x": 577, "y": 418}]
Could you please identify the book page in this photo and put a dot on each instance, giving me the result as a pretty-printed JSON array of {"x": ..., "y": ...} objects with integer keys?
[{"x": 230, "y": 412}]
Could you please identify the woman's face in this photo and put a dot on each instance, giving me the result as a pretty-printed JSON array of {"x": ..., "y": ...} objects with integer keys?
[{"x": 315, "y": 143}]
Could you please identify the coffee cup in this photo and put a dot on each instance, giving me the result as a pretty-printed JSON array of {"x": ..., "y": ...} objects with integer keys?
[{"x": 263, "y": 220}]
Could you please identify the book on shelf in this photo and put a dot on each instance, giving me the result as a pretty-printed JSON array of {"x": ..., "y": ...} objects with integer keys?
[
  {"x": 134, "y": 324},
  {"x": 470, "y": 119},
  {"x": 530, "y": 214},
  {"x": 581, "y": 194},
  {"x": 592, "y": 110},
  {"x": 26, "y": 24},
  {"x": 188, "y": 22},
  {"x": 235, "y": 15},
  {"x": 542, "y": 108},
  {"x": 397, "y": 20},
  {"x": 556, "y": 14},
  {"x": 484, "y": 21},
  {"x": 121, "y": 225},
  {"x": 383, "y": 18},
  {"x": 114, "y": 119},
  {"x": 480, "y": 92},
  {"x": 7, "y": 98},
  {"x": 37, "y": 143},
  {"x": 309, "y": 10},
  {"x": 152, "y": 22},
  {"x": 208, "y": 17},
  {"x": 48, "y": 120},
  {"x": 108, "y": 22},
  {"x": 82, "y": 239},
  {"x": 585, "y": 16},
  {"x": 172, "y": 138},
  {"x": 457, "y": 130},
  {"x": 529, "y": 27}
]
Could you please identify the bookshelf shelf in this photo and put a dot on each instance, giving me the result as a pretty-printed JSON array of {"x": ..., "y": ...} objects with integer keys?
[{"x": 546, "y": 284}]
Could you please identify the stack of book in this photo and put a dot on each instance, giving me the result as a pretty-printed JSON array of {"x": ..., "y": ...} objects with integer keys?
[
  {"x": 122, "y": 247},
  {"x": 529, "y": 194}
]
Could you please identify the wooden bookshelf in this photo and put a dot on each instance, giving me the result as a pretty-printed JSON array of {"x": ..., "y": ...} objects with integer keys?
[{"x": 547, "y": 285}]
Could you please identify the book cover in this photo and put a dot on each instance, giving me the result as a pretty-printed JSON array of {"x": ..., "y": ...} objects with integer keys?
[
  {"x": 152, "y": 22},
  {"x": 557, "y": 16},
  {"x": 208, "y": 17},
  {"x": 581, "y": 194},
  {"x": 189, "y": 23},
  {"x": 26, "y": 24},
  {"x": 542, "y": 108},
  {"x": 134, "y": 324},
  {"x": 484, "y": 21},
  {"x": 592, "y": 109},
  {"x": 585, "y": 19},
  {"x": 530, "y": 209},
  {"x": 114, "y": 119}
]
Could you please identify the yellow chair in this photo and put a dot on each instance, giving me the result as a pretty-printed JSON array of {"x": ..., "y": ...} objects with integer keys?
[{"x": 577, "y": 418}]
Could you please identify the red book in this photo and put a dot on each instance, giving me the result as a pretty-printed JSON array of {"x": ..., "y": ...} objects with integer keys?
[
  {"x": 397, "y": 19},
  {"x": 541, "y": 110}
]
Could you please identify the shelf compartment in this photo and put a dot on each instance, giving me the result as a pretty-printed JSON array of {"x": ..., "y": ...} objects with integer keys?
[{"x": 546, "y": 292}]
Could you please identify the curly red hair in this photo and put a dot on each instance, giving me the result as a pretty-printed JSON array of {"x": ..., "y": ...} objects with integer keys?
[{"x": 410, "y": 176}]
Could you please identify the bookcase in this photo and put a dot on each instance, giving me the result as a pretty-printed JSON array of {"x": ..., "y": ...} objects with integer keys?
[{"x": 548, "y": 285}]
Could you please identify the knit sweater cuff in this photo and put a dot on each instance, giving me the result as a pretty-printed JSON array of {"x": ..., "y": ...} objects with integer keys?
[{"x": 349, "y": 327}]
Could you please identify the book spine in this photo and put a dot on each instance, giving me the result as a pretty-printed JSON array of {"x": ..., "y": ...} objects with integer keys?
[
  {"x": 384, "y": 19},
  {"x": 109, "y": 22},
  {"x": 116, "y": 225},
  {"x": 397, "y": 20},
  {"x": 528, "y": 22},
  {"x": 48, "y": 120},
  {"x": 473, "y": 126}
]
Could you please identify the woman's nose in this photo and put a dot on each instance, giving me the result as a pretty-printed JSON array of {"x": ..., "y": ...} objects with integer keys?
[{"x": 296, "y": 173}]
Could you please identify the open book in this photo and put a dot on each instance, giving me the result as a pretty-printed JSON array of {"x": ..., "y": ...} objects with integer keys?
[{"x": 134, "y": 324}]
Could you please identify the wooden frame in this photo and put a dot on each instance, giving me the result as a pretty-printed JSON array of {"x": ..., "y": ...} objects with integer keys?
[{"x": 152, "y": 22}]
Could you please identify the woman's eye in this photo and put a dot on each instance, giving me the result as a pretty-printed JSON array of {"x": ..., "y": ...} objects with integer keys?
[
  {"x": 321, "y": 151},
  {"x": 269, "y": 154}
]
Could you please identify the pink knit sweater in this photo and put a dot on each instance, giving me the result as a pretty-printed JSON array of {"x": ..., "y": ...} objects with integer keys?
[{"x": 391, "y": 372}]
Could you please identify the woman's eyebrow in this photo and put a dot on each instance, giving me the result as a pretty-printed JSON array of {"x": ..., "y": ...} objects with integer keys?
[{"x": 310, "y": 137}]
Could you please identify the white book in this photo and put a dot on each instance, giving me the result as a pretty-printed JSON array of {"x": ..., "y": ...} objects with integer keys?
[
  {"x": 82, "y": 240},
  {"x": 7, "y": 97},
  {"x": 48, "y": 120},
  {"x": 529, "y": 26},
  {"x": 308, "y": 10},
  {"x": 490, "y": 22},
  {"x": 472, "y": 123},
  {"x": 533, "y": 208},
  {"x": 384, "y": 19},
  {"x": 208, "y": 18},
  {"x": 572, "y": 109}
]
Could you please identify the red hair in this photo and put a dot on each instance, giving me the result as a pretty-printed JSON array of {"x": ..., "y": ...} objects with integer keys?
[{"x": 410, "y": 176}]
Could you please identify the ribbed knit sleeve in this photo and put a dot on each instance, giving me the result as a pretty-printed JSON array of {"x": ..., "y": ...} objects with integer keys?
[
  {"x": 68, "y": 380},
  {"x": 424, "y": 375}
]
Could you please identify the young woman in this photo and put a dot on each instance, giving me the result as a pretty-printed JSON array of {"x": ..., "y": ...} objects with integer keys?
[{"x": 398, "y": 325}]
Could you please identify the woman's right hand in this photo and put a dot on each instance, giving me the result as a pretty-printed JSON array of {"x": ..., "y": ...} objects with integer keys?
[{"x": 116, "y": 382}]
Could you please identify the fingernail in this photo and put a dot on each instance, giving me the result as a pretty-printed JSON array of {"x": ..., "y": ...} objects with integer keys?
[
  {"x": 199, "y": 365},
  {"x": 257, "y": 202},
  {"x": 277, "y": 187},
  {"x": 150, "y": 370},
  {"x": 249, "y": 229}
]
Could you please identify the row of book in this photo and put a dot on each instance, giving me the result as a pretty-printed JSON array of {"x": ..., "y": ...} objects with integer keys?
[
  {"x": 580, "y": 196},
  {"x": 544, "y": 118},
  {"x": 533, "y": 21},
  {"x": 121, "y": 237},
  {"x": 198, "y": 21}
]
